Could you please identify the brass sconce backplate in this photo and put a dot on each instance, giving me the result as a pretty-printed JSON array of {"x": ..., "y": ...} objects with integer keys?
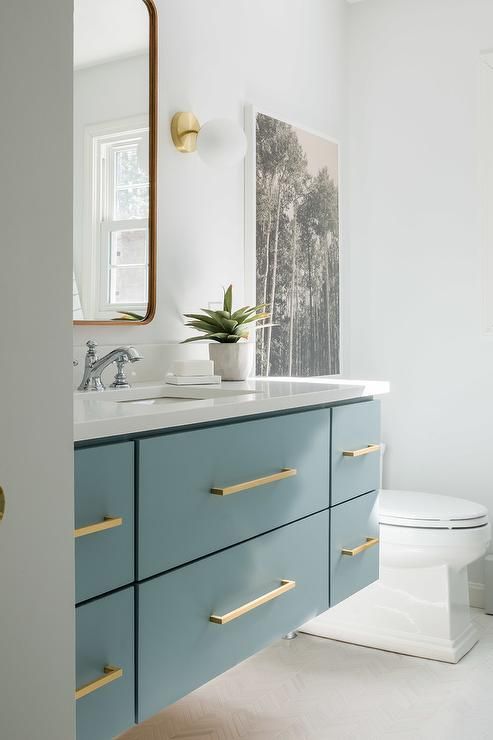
[{"x": 184, "y": 130}]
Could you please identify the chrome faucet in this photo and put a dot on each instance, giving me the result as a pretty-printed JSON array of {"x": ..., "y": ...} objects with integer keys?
[{"x": 94, "y": 366}]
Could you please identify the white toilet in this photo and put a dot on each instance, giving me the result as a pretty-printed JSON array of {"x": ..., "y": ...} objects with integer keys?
[{"x": 420, "y": 604}]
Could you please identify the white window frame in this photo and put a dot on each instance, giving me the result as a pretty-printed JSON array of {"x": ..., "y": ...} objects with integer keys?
[{"x": 96, "y": 226}]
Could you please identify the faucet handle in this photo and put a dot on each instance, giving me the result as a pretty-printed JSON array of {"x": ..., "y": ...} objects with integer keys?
[
  {"x": 91, "y": 352},
  {"x": 91, "y": 356},
  {"x": 120, "y": 380}
]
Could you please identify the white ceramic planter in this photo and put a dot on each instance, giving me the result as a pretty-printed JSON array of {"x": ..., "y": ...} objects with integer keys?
[{"x": 232, "y": 361}]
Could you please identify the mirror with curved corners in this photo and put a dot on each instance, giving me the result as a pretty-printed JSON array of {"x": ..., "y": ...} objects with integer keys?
[{"x": 115, "y": 132}]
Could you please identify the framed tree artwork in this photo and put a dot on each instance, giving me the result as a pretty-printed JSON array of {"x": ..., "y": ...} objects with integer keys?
[{"x": 292, "y": 254}]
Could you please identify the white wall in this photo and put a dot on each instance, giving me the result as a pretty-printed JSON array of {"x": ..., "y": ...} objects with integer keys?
[
  {"x": 284, "y": 55},
  {"x": 486, "y": 185},
  {"x": 415, "y": 238},
  {"x": 36, "y": 450}
]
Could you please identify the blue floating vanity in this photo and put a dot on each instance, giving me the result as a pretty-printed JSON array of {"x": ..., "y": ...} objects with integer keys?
[{"x": 199, "y": 543}]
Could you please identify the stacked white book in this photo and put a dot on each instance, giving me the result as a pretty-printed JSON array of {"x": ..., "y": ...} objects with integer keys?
[{"x": 193, "y": 372}]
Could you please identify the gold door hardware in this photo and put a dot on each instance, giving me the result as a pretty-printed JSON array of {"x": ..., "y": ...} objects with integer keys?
[
  {"x": 109, "y": 522},
  {"x": 225, "y": 618},
  {"x": 364, "y": 451},
  {"x": 370, "y": 542},
  {"x": 111, "y": 673},
  {"x": 2, "y": 504},
  {"x": 284, "y": 473}
]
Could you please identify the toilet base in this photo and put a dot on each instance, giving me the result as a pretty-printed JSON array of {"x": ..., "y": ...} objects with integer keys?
[{"x": 374, "y": 618}]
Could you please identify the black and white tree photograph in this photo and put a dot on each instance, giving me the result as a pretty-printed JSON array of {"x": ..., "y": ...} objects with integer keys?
[{"x": 297, "y": 250}]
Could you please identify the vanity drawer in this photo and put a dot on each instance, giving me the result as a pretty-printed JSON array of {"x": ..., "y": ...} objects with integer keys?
[
  {"x": 105, "y": 652},
  {"x": 355, "y": 458},
  {"x": 104, "y": 518},
  {"x": 353, "y": 550},
  {"x": 180, "y": 519},
  {"x": 180, "y": 648}
]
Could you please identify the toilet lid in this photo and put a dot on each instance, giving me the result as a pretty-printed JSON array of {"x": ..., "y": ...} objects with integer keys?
[{"x": 415, "y": 509}]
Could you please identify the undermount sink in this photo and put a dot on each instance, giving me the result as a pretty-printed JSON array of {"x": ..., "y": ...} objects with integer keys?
[
  {"x": 156, "y": 400},
  {"x": 160, "y": 395}
]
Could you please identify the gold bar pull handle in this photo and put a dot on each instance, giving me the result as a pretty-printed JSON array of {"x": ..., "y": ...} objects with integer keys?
[
  {"x": 109, "y": 522},
  {"x": 225, "y": 618},
  {"x": 370, "y": 542},
  {"x": 364, "y": 451},
  {"x": 283, "y": 473},
  {"x": 111, "y": 673}
]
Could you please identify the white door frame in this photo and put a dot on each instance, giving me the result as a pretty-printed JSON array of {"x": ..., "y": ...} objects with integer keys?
[{"x": 36, "y": 449}]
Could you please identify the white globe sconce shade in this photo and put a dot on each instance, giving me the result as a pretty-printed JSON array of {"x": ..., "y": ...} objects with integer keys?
[{"x": 220, "y": 142}]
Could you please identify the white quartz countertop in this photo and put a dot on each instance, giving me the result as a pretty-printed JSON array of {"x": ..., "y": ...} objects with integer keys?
[{"x": 153, "y": 406}]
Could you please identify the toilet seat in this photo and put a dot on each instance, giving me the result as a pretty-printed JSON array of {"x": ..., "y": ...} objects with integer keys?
[{"x": 414, "y": 509}]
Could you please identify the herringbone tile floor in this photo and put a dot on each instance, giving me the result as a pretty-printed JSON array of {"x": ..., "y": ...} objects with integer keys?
[{"x": 315, "y": 689}]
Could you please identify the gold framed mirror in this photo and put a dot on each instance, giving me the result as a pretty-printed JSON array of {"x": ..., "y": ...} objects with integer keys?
[{"x": 115, "y": 162}]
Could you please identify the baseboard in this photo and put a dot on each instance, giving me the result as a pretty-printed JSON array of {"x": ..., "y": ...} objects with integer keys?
[{"x": 476, "y": 594}]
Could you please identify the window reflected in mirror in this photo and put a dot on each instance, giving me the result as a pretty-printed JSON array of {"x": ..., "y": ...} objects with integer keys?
[{"x": 114, "y": 109}]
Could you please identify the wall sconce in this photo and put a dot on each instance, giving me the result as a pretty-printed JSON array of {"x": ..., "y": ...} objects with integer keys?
[{"x": 220, "y": 142}]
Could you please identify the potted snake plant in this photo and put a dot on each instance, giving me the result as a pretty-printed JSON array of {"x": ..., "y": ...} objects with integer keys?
[{"x": 228, "y": 332}]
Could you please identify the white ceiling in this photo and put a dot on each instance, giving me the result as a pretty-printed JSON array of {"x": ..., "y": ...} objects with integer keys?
[{"x": 109, "y": 29}]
